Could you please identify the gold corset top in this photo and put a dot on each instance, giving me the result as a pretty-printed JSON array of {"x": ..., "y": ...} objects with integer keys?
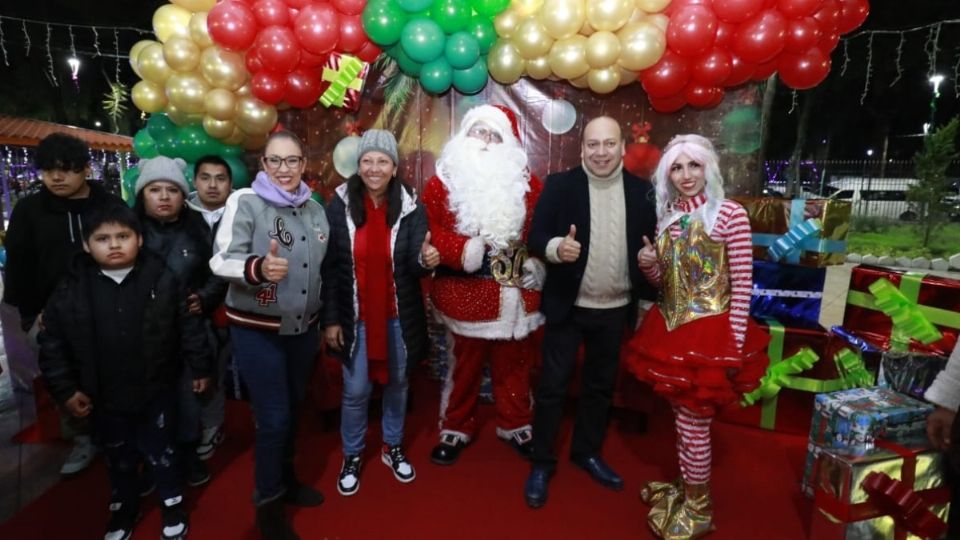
[{"x": 695, "y": 280}]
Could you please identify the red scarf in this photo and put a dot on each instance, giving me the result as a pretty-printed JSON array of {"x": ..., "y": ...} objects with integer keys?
[{"x": 374, "y": 268}]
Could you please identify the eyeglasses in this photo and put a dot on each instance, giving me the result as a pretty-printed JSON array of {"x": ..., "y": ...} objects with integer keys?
[
  {"x": 274, "y": 162},
  {"x": 489, "y": 135}
]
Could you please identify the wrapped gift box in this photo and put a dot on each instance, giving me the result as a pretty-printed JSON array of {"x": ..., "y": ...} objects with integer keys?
[
  {"x": 788, "y": 293},
  {"x": 851, "y": 421},
  {"x": 786, "y": 223},
  {"x": 784, "y": 401},
  {"x": 846, "y": 508},
  {"x": 909, "y": 373},
  {"x": 929, "y": 323}
]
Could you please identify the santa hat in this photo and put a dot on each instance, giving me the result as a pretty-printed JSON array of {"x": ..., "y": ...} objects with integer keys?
[{"x": 498, "y": 117}]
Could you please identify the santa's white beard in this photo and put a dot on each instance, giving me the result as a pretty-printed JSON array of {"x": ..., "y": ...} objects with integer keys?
[{"x": 486, "y": 189}]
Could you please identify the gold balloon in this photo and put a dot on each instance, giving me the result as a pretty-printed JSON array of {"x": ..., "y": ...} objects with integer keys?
[
  {"x": 568, "y": 57},
  {"x": 170, "y": 20},
  {"x": 653, "y": 6},
  {"x": 148, "y": 97},
  {"x": 603, "y": 49},
  {"x": 641, "y": 45},
  {"x": 181, "y": 118},
  {"x": 255, "y": 117},
  {"x": 218, "y": 129},
  {"x": 153, "y": 67},
  {"x": 223, "y": 69},
  {"x": 235, "y": 138},
  {"x": 526, "y": 7},
  {"x": 181, "y": 53},
  {"x": 186, "y": 91},
  {"x": 195, "y": 5},
  {"x": 539, "y": 68},
  {"x": 504, "y": 62},
  {"x": 581, "y": 82},
  {"x": 506, "y": 23},
  {"x": 531, "y": 39},
  {"x": 627, "y": 76},
  {"x": 660, "y": 21},
  {"x": 586, "y": 29},
  {"x": 135, "y": 52},
  {"x": 254, "y": 142},
  {"x": 220, "y": 104},
  {"x": 562, "y": 18},
  {"x": 609, "y": 14},
  {"x": 244, "y": 90},
  {"x": 604, "y": 81},
  {"x": 198, "y": 30}
]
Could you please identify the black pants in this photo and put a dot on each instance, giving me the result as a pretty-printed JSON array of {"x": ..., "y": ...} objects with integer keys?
[{"x": 601, "y": 332}]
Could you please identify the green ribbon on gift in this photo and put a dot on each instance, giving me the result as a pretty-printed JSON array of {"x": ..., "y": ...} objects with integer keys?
[
  {"x": 853, "y": 372},
  {"x": 910, "y": 320},
  {"x": 341, "y": 79},
  {"x": 778, "y": 376}
]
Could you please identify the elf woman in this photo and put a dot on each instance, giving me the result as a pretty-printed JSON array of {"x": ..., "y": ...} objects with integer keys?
[{"x": 698, "y": 346}]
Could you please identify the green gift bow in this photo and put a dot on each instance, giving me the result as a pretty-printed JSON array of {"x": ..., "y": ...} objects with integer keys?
[
  {"x": 910, "y": 320},
  {"x": 852, "y": 369},
  {"x": 340, "y": 80}
]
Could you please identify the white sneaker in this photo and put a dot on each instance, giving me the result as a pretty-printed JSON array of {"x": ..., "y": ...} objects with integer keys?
[
  {"x": 81, "y": 456},
  {"x": 349, "y": 481},
  {"x": 210, "y": 439}
]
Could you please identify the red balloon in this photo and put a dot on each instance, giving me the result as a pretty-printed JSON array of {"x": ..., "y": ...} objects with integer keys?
[
  {"x": 302, "y": 89},
  {"x": 793, "y": 9},
  {"x": 667, "y": 104},
  {"x": 828, "y": 17},
  {"x": 725, "y": 33},
  {"x": 829, "y": 42},
  {"x": 717, "y": 99},
  {"x": 267, "y": 86},
  {"x": 691, "y": 30},
  {"x": 740, "y": 72},
  {"x": 232, "y": 26},
  {"x": 736, "y": 11},
  {"x": 349, "y": 7},
  {"x": 298, "y": 4},
  {"x": 316, "y": 28},
  {"x": 677, "y": 5},
  {"x": 667, "y": 77},
  {"x": 802, "y": 34},
  {"x": 277, "y": 49},
  {"x": 352, "y": 36},
  {"x": 712, "y": 69},
  {"x": 271, "y": 13},
  {"x": 310, "y": 60},
  {"x": 701, "y": 96},
  {"x": 369, "y": 52},
  {"x": 292, "y": 13},
  {"x": 761, "y": 38},
  {"x": 641, "y": 159},
  {"x": 804, "y": 70},
  {"x": 765, "y": 70},
  {"x": 852, "y": 14}
]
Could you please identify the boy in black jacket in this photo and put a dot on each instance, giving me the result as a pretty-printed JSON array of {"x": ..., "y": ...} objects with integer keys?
[{"x": 116, "y": 334}]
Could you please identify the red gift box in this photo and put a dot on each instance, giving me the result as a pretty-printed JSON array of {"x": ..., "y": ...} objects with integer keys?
[
  {"x": 332, "y": 70},
  {"x": 937, "y": 299}
]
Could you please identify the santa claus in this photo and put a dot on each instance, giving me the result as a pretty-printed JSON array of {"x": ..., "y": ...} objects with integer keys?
[{"x": 486, "y": 289}]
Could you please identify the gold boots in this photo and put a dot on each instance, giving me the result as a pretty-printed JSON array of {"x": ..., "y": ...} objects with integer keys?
[{"x": 680, "y": 515}]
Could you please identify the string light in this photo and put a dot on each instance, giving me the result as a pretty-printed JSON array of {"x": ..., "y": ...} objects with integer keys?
[
  {"x": 793, "y": 101},
  {"x": 116, "y": 50},
  {"x": 96, "y": 41},
  {"x": 846, "y": 58},
  {"x": 869, "y": 71},
  {"x": 3, "y": 46},
  {"x": 52, "y": 73},
  {"x": 897, "y": 61},
  {"x": 26, "y": 35},
  {"x": 73, "y": 61},
  {"x": 932, "y": 47},
  {"x": 956, "y": 75}
]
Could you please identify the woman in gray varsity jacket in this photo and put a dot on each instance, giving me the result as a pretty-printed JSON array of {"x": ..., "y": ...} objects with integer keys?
[{"x": 270, "y": 246}]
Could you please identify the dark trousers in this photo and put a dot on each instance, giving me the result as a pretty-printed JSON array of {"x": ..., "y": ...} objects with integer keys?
[
  {"x": 147, "y": 435},
  {"x": 276, "y": 370},
  {"x": 601, "y": 332}
]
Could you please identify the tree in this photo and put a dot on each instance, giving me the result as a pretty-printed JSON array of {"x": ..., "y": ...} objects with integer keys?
[{"x": 939, "y": 149}]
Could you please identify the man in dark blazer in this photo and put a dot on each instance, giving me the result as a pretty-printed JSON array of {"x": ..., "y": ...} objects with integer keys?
[{"x": 588, "y": 226}]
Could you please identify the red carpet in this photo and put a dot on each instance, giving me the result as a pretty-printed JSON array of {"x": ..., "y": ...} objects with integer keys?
[{"x": 755, "y": 485}]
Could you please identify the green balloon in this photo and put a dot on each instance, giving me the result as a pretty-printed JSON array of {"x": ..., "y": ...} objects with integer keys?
[
  {"x": 451, "y": 15},
  {"x": 383, "y": 21},
  {"x": 409, "y": 67},
  {"x": 472, "y": 79},
  {"x": 160, "y": 124},
  {"x": 481, "y": 28},
  {"x": 232, "y": 150},
  {"x": 489, "y": 8},
  {"x": 193, "y": 143},
  {"x": 413, "y": 6},
  {"x": 461, "y": 50},
  {"x": 167, "y": 144},
  {"x": 239, "y": 172},
  {"x": 144, "y": 145},
  {"x": 422, "y": 40},
  {"x": 436, "y": 76},
  {"x": 128, "y": 185},
  {"x": 317, "y": 197},
  {"x": 740, "y": 130}
]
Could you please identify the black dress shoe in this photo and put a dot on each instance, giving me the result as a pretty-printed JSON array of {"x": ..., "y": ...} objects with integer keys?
[
  {"x": 600, "y": 472},
  {"x": 302, "y": 495},
  {"x": 535, "y": 490},
  {"x": 522, "y": 442},
  {"x": 448, "y": 451}
]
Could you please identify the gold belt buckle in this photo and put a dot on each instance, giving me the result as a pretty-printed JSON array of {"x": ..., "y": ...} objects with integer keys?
[{"x": 507, "y": 266}]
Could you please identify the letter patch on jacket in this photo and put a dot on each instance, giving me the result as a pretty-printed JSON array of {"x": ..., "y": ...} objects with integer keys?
[
  {"x": 267, "y": 294},
  {"x": 281, "y": 234}
]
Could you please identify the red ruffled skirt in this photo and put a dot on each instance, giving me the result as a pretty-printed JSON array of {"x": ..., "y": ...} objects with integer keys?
[{"x": 698, "y": 364}]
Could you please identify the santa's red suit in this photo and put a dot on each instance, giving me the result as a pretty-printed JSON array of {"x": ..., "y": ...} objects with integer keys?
[{"x": 488, "y": 313}]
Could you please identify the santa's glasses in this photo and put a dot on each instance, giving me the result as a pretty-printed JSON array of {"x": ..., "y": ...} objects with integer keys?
[{"x": 485, "y": 134}]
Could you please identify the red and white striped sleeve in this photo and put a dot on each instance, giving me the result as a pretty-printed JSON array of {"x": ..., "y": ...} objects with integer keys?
[
  {"x": 653, "y": 273},
  {"x": 736, "y": 233}
]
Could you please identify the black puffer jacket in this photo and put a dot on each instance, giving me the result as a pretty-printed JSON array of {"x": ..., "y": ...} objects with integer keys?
[
  {"x": 171, "y": 337},
  {"x": 339, "y": 291}
]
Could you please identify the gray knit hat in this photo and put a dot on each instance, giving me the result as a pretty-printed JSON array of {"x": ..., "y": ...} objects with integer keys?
[
  {"x": 378, "y": 140},
  {"x": 162, "y": 168}
]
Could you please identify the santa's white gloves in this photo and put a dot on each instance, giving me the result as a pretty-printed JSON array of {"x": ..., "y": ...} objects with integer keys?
[{"x": 534, "y": 274}]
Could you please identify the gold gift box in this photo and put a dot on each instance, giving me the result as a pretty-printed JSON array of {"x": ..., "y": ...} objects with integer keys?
[{"x": 771, "y": 218}]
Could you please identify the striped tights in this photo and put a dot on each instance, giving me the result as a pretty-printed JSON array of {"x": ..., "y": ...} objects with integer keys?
[{"x": 693, "y": 445}]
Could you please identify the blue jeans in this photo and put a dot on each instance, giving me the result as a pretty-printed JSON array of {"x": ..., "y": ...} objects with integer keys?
[
  {"x": 357, "y": 387},
  {"x": 276, "y": 370}
]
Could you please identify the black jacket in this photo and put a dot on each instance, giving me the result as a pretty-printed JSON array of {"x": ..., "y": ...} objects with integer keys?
[
  {"x": 339, "y": 279},
  {"x": 45, "y": 232},
  {"x": 565, "y": 201},
  {"x": 70, "y": 358}
]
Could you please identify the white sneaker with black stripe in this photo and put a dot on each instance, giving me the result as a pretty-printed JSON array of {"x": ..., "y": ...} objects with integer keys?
[
  {"x": 393, "y": 457},
  {"x": 349, "y": 481}
]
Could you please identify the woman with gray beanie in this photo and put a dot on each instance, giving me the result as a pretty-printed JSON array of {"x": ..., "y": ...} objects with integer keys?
[{"x": 373, "y": 306}]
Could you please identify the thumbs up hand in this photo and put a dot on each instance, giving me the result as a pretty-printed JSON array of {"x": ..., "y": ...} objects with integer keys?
[
  {"x": 274, "y": 267},
  {"x": 647, "y": 256},
  {"x": 429, "y": 256},
  {"x": 569, "y": 249}
]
